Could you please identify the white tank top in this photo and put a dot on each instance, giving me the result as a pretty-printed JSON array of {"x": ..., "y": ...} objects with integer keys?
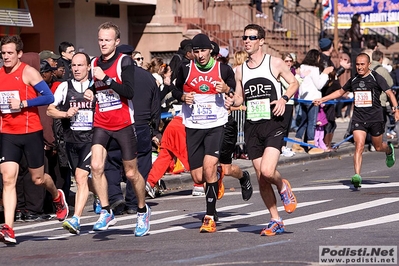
[{"x": 260, "y": 89}]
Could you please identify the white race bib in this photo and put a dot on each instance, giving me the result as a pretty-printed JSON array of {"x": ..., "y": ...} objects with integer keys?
[
  {"x": 204, "y": 112},
  {"x": 83, "y": 120},
  {"x": 4, "y": 105},
  {"x": 363, "y": 99},
  {"x": 258, "y": 109},
  {"x": 108, "y": 100}
]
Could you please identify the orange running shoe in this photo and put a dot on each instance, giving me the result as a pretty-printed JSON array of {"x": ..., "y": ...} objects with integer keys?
[
  {"x": 288, "y": 198},
  {"x": 208, "y": 226},
  {"x": 273, "y": 228},
  {"x": 220, "y": 175}
]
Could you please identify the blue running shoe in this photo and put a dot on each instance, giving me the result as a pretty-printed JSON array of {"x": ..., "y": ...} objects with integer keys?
[
  {"x": 96, "y": 205},
  {"x": 106, "y": 219},
  {"x": 72, "y": 225},
  {"x": 143, "y": 222},
  {"x": 273, "y": 228}
]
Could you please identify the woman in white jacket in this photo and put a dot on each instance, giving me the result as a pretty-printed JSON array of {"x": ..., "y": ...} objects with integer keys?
[{"x": 313, "y": 82}]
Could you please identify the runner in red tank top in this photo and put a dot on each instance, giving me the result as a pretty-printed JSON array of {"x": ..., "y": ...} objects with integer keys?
[
  {"x": 21, "y": 131},
  {"x": 113, "y": 119}
]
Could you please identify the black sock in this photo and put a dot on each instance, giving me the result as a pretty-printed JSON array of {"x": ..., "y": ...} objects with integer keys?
[
  {"x": 107, "y": 208},
  {"x": 211, "y": 194},
  {"x": 142, "y": 210}
]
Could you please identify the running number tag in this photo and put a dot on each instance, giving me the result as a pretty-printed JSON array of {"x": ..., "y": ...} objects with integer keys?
[
  {"x": 108, "y": 100},
  {"x": 363, "y": 99},
  {"x": 204, "y": 112},
  {"x": 83, "y": 120},
  {"x": 258, "y": 109},
  {"x": 5, "y": 105}
]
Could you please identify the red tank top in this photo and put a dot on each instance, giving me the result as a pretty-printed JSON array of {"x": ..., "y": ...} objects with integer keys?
[
  {"x": 26, "y": 120},
  {"x": 203, "y": 82},
  {"x": 113, "y": 112}
]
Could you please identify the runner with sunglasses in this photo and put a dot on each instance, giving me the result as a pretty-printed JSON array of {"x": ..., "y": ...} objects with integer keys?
[{"x": 258, "y": 85}]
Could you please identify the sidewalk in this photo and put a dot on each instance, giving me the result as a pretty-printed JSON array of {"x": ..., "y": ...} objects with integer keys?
[{"x": 346, "y": 148}]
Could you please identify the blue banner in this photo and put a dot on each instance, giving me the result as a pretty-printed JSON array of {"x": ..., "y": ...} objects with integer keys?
[{"x": 375, "y": 13}]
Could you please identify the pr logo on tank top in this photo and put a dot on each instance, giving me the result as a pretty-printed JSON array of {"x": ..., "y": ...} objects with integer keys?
[
  {"x": 259, "y": 88},
  {"x": 204, "y": 88}
]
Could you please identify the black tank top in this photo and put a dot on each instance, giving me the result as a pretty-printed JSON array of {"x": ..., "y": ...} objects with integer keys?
[{"x": 72, "y": 133}]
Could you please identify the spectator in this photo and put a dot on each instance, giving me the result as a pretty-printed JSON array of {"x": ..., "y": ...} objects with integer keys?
[
  {"x": 138, "y": 58},
  {"x": 66, "y": 50},
  {"x": 278, "y": 10},
  {"x": 259, "y": 10},
  {"x": 310, "y": 89},
  {"x": 355, "y": 37}
]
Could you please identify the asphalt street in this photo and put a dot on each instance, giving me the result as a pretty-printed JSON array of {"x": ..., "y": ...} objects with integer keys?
[{"x": 330, "y": 212}]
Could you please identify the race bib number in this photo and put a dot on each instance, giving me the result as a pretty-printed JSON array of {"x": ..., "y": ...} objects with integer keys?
[
  {"x": 108, "y": 100},
  {"x": 363, "y": 99},
  {"x": 258, "y": 109},
  {"x": 4, "y": 105},
  {"x": 83, "y": 120},
  {"x": 204, "y": 112}
]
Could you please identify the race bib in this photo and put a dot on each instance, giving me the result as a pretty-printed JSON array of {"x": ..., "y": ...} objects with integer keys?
[
  {"x": 83, "y": 120},
  {"x": 258, "y": 109},
  {"x": 363, "y": 99},
  {"x": 108, "y": 100},
  {"x": 204, "y": 112},
  {"x": 4, "y": 105}
]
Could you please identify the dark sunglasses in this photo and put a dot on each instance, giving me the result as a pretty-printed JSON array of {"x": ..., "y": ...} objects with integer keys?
[
  {"x": 252, "y": 37},
  {"x": 139, "y": 58}
]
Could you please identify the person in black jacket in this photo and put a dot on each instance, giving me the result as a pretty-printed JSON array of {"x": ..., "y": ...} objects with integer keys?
[{"x": 66, "y": 50}]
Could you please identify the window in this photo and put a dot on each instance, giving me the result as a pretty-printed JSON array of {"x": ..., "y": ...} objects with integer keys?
[{"x": 105, "y": 10}]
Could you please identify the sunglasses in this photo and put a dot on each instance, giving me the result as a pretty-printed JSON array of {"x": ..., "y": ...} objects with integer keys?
[
  {"x": 139, "y": 58},
  {"x": 288, "y": 61},
  {"x": 252, "y": 37}
]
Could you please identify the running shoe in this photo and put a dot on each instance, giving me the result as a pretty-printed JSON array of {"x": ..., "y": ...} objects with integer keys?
[
  {"x": 143, "y": 222},
  {"x": 61, "y": 206},
  {"x": 198, "y": 191},
  {"x": 246, "y": 186},
  {"x": 7, "y": 235},
  {"x": 288, "y": 198},
  {"x": 356, "y": 180},
  {"x": 96, "y": 205},
  {"x": 72, "y": 225},
  {"x": 390, "y": 159},
  {"x": 273, "y": 228},
  {"x": 220, "y": 175},
  {"x": 150, "y": 190},
  {"x": 208, "y": 225},
  {"x": 106, "y": 219}
]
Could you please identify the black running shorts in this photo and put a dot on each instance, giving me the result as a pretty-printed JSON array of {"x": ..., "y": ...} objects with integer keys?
[
  {"x": 201, "y": 142},
  {"x": 126, "y": 138},
  {"x": 263, "y": 134},
  {"x": 14, "y": 145}
]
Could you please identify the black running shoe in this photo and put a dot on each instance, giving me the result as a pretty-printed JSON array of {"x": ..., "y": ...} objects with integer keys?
[{"x": 246, "y": 186}]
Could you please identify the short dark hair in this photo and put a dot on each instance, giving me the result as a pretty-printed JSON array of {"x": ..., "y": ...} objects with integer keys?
[
  {"x": 64, "y": 46},
  {"x": 19, "y": 45},
  {"x": 365, "y": 55},
  {"x": 377, "y": 55},
  {"x": 86, "y": 55},
  {"x": 261, "y": 31},
  {"x": 110, "y": 25},
  {"x": 371, "y": 44}
]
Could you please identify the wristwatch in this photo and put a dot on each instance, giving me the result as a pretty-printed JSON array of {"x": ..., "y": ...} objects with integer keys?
[
  {"x": 107, "y": 80},
  {"x": 285, "y": 97},
  {"x": 21, "y": 105}
]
